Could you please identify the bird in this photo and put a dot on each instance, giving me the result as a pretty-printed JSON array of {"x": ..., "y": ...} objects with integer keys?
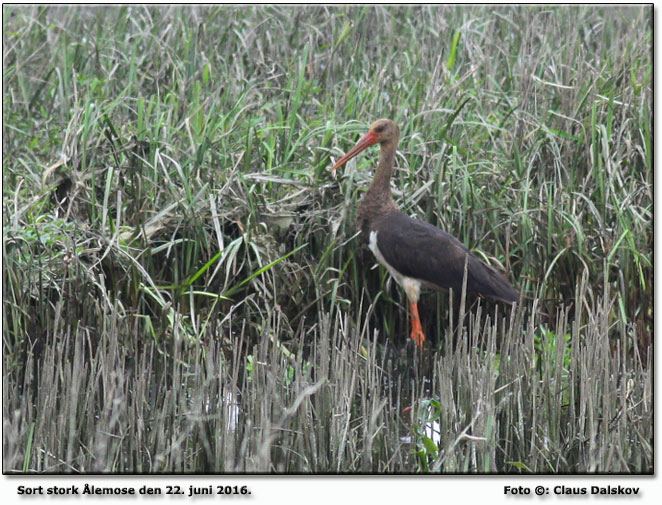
[{"x": 417, "y": 254}]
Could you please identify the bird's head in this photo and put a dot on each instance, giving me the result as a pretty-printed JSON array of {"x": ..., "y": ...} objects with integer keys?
[{"x": 382, "y": 131}]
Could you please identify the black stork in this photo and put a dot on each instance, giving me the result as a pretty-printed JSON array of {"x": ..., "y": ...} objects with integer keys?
[{"x": 416, "y": 253}]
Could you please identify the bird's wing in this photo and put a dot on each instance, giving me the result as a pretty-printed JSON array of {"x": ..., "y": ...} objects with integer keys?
[{"x": 422, "y": 251}]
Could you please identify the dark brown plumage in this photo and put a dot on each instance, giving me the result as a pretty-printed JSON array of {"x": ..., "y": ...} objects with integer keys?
[{"x": 416, "y": 253}]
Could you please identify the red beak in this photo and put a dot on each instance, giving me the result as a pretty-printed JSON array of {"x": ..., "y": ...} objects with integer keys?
[{"x": 369, "y": 139}]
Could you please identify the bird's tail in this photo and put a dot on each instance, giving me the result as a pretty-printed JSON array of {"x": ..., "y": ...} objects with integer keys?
[{"x": 485, "y": 280}]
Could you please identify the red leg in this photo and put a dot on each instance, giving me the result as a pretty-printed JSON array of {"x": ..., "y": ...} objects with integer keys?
[{"x": 416, "y": 330}]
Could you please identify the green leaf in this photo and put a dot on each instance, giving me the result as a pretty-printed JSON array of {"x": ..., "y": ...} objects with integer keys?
[
  {"x": 519, "y": 464},
  {"x": 430, "y": 447},
  {"x": 454, "y": 46},
  {"x": 344, "y": 33}
]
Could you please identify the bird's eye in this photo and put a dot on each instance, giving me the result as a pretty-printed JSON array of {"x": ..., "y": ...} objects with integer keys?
[{"x": 380, "y": 128}]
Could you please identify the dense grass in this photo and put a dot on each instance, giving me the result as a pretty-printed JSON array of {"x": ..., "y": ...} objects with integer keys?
[{"x": 183, "y": 287}]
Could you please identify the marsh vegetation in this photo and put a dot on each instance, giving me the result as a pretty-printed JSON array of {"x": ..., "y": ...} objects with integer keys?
[{"x": 184, "y": 289}]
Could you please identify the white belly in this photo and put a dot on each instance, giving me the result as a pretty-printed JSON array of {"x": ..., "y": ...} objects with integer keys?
[{"x": 411, "y": 286}]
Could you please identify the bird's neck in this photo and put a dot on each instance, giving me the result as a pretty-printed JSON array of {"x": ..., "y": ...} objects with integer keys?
[
  {"x": 381, "y": 183},
  {"x": 378, "y": 200}
]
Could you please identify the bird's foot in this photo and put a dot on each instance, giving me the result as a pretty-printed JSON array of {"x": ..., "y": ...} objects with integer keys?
[
  {"x": 418, "y": 336},
  {"x": 416, "y": 331}
]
